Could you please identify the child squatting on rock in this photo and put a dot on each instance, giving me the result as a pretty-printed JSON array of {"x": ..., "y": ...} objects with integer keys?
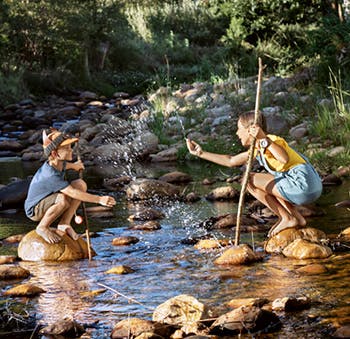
[
  {"x": 51, "y": 196},
  {"x": 290, "y": 179}
]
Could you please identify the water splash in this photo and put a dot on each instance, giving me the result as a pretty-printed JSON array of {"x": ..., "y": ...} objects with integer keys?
[{"x": 181, "y": 125}]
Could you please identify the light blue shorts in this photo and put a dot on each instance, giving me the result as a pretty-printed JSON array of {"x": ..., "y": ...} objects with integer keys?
[{"x": 299, "y": 185}]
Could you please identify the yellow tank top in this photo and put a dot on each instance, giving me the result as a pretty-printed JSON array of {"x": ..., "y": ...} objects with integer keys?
[{"x": 275, "y": 165}]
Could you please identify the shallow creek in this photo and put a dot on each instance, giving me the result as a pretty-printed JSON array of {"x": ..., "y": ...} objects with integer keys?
[{"x": 165, "y": 266}]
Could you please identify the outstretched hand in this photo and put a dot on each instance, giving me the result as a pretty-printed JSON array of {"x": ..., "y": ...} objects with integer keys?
[
  {"x": 193, "y": 147},
  {"x": 107, "y": 201}
]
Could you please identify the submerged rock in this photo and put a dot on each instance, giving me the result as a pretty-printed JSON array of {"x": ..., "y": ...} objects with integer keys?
[
  {"x": 24, "y": 290},
  {"x": 34, "y": 248},
  {"x": 9, "y": 272}
]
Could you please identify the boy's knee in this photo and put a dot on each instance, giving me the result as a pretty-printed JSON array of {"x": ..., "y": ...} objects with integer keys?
[{"x": 79, "y": 184}]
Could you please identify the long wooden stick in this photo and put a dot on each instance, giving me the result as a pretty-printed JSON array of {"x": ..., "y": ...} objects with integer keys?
[
  {"x": 86, "y": 221},
  {"x": 250, "y": 159}
]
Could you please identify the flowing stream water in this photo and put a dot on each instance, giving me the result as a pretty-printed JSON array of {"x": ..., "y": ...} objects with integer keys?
[{"x": 166, "y": 267}]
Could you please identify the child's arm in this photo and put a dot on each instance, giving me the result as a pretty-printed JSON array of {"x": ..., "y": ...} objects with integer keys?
[
  {"x": 220, "y": 159},
  {"x": 278, "y": 152},
  {"x": 76, "y": 166}
]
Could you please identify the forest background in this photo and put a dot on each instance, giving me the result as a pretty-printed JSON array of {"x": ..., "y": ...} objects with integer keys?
[{"x": 137, "y": 46}]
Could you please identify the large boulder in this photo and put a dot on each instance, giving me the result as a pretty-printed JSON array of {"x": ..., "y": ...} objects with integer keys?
[
  {"x": 280, "y": 241},
  {"x": 34, "y": 248}
]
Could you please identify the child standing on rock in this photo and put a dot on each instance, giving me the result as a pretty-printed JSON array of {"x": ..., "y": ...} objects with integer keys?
[
  {"x": 290, "y": 179},
  {"x": 51, "y": 196}
]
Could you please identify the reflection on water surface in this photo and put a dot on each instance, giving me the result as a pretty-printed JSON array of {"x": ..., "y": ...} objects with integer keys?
[{"x": 165, "y": 267}]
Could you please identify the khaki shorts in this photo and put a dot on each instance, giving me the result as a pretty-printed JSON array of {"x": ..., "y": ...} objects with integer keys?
[{"x": 43, "y": 206}]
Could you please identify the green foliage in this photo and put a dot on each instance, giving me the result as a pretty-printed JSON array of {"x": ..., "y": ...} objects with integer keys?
[{"x": 12, "y": 87}]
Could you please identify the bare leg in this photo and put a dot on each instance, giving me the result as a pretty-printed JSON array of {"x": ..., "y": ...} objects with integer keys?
[
  {"x": 263, "y": 188},
  {"x": 64, "y": 224},
  {"x": 52, "y": 213}
]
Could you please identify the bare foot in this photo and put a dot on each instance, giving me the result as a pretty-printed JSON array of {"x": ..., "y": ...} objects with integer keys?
[
  {"x": 282, "y": 225},
  {"x": 68, "y": 229},
  {"x": 48, "y": 235}
]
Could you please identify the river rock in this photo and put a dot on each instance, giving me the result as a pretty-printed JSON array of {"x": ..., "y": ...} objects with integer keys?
[
  {"x": 304, "y": 249},
  {"x": 289, "y": 304},
  {"x": 236, "y": 303},
  {"x": 66, "y": 327},
  {"x": 277, "y": 243},
  {"x": 151, "y": 225},
  {"x": 179, "y": 310},
  {"x": 134, "y": 327},
  {"x": 7, "y": 259},
  {"x": 24, "y": 290},
  {"x": 121, "y": 269},
  {"x": 223, "y": 193},
  {"x": 176, "y": 177},
  {"x": 124, "y": 241},
  {"x": 238, "y": 255},
  {"x": 245, "y": 319},
  {"x": 166, "y": 155},
  {"x": 147, "y": 214},
  {"x": 34, "y": 248},
  {"x": 206, "y": 244},
  {"x": 144, "y": 189},
  {"x": 9, "y": 272},
  {"x": 312, "y": 269}
]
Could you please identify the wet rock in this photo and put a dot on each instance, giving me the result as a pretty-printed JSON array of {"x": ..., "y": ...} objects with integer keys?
[
  {"x": 192, "y": 197},
  {"x": 345, "y": 233},
  {"x": 10, "y": 272},
  {"x": 151, "y": 225},
  {"x": 35, "y": 248},
  {"x": 236, "y": 303},
  {"x": 65, "y": 327},
  {"x": 14, "y": 239},
  {"x": 166, "y": 155},
  {"x": 24, "y": 290},
  {"x": 277, "y": 243},
  {"x": 342, "y": 332},
  {"x": 223, "y": 193},
  {"x": 7, "y": 259},
  {"x": 147, "y": 214},
  {"x": 144, "y": 189},
  {"x": 116, "y": 184},
  {"x": 212, "y": 243},
  {"x": 133, "y": 327},
  {"x": 124, "y": 241},
  {"x": 246, "y": 319},
  {"x": 331, "y": 180},
  {"x": 11, "y": 145},
  {"x": 238, "y": 255},
  {"x": 180, "y": 310},
  {"x": 289, "y": 304},
  {"x": 304, "y": 249},
  {"x": 229, "y": 221},
  {"x": 122, "y": 269},
  {"x": 176, "y": 177},
  {"x": 313, "y": 269}
]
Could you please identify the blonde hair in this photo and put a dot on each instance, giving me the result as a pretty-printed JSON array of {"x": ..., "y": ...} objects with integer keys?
[{"x": 247, "y": 119}]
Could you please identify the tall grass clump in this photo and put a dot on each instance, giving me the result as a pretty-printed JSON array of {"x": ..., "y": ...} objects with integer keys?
[{"x": 335, "y": 120}]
